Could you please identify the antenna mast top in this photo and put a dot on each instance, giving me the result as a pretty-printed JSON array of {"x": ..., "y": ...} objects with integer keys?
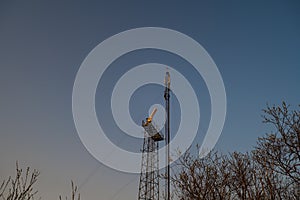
[{"x": 167, "y": 79}]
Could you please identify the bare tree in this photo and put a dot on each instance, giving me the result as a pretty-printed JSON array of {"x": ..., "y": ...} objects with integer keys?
[
  {"x": 279, "y": 151},
  {"x": 282, "y": 148},
  {"x": 237, "y": 176},
  {"x": 251, "y": 180},
  {"x": 270, "y": 171},
  {"x": 241, "y": 177},
  {"x": 21, "y": 187},
  {"x": 206, "y": 178},
  {"x": 74, "y": 193}
]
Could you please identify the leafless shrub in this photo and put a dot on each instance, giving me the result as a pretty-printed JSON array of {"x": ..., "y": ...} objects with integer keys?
[
  {"x": 270, "y": 171},
  {"x": 74, "y": 193},
  {"x": 21, "y": 187}
]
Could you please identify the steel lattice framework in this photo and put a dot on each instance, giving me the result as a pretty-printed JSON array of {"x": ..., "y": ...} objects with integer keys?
[{"x": 149, "y": 178}]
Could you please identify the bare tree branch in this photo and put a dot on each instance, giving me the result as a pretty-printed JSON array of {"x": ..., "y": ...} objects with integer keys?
[{"x": 21, "y": 187}]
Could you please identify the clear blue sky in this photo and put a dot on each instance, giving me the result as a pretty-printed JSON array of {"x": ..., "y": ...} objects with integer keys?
[{"x": 255, "y": 45}]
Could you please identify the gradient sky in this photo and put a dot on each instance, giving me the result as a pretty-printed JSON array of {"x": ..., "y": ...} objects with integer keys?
[{"x": 255, "y": 44}]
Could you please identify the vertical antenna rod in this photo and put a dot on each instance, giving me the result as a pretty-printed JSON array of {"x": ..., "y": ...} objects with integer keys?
[{"x": 167, "y": 132}]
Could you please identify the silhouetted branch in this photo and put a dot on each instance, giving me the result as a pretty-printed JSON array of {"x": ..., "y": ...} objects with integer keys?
[
  {"x": 74, "y": 193},
  {"x": 21, "y": 187},
  {"x": 270, "y": 171}
]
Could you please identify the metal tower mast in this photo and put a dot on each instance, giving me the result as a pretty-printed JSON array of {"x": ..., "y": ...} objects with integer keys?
[
  {"x": 167, "y": 133},
  {"x": 149, "y": 178}
]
